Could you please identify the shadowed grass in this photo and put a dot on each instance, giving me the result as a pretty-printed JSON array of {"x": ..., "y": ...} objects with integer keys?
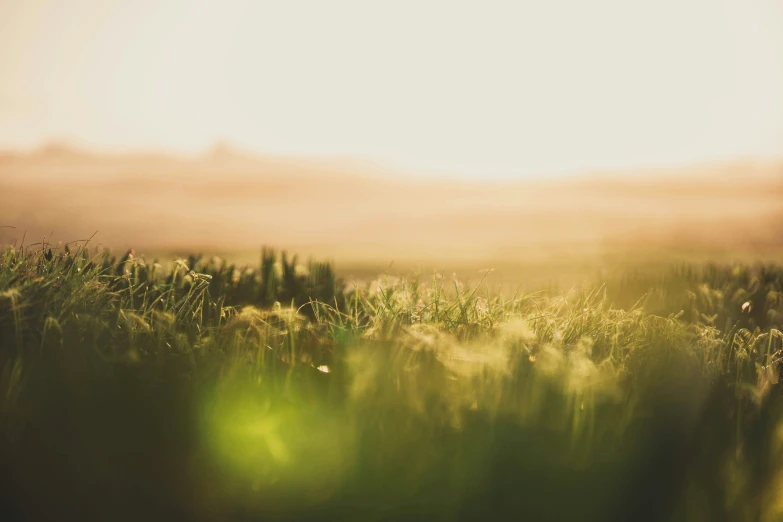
[{"x": 213, "y": 392}]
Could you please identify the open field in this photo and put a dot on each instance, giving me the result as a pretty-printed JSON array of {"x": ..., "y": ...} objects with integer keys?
[
  {"x": 209, "y": 391},
  {"x": 407, "y": 261},
  {"x": 620, "y": 360}
]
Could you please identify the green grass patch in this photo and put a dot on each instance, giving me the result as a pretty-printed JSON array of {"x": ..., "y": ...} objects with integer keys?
[{"x": 207, "y": 391}]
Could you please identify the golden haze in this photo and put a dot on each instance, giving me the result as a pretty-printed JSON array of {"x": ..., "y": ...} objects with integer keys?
[{"x": 230, "y": 202}]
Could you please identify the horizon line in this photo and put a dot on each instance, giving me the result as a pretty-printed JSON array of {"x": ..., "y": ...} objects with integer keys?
[{"x": 227, "y": 150}]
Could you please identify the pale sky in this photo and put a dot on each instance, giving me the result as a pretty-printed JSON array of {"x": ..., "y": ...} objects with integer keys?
[{"x": 484, "y": 88}]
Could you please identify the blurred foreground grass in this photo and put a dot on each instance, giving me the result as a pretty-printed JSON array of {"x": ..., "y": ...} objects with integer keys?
[{"x": 207, "y": 391}]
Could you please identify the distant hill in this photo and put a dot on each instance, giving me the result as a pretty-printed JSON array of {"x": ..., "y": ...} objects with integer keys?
[{"x": 227, "y": 198}]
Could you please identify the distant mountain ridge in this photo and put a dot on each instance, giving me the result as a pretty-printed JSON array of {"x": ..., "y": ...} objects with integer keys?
[
  {"x": 224, "y": 152},
  {"x": 228, "y": 198}
]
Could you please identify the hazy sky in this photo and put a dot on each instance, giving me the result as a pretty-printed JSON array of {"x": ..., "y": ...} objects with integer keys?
[{"x": 490, "y": 88}]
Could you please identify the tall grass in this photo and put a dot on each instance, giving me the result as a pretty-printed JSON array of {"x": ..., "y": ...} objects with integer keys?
[{"x": 213, "y": 392}]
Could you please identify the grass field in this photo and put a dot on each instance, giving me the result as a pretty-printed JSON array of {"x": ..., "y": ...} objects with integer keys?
[
  {"x": 425, "y": 261},
  {"x": 199, "y": 390}
]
